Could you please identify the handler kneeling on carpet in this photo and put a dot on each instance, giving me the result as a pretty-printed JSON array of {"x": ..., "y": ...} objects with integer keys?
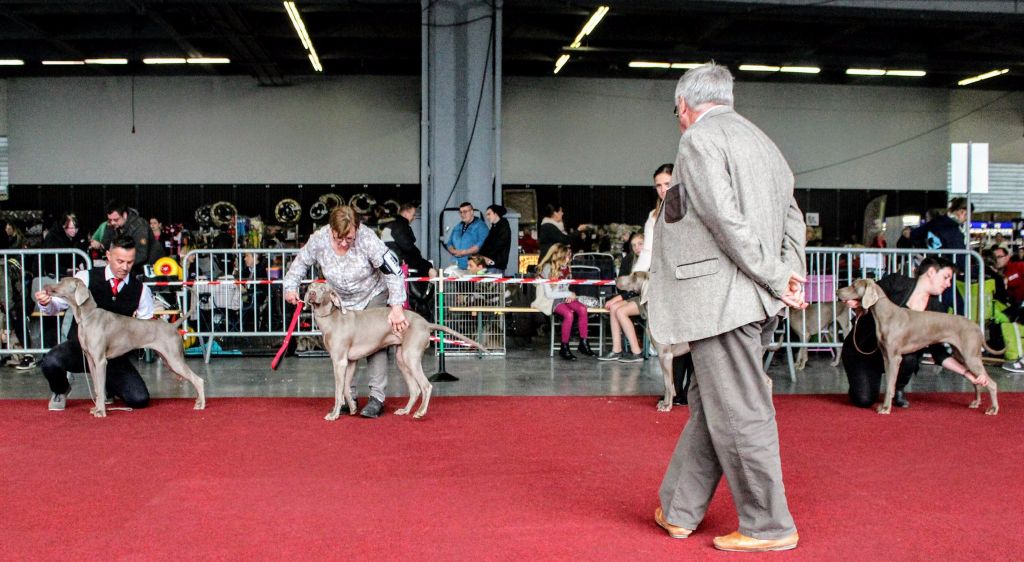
[
  {"x": 360, "y": 269},
  {"x": 115, "y": 290}
]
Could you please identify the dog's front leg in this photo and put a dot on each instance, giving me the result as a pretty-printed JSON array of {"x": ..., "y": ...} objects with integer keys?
[
  {"x": 341, "y": 390},
  {"x": 665, "y": 359},
  {"x": 892, "y": 368},
  {"x": 98, "y": 372},
  {"x": 992, "y": 392}
]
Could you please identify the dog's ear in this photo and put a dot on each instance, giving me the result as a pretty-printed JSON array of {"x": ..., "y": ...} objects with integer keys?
[
  {"x": 336, "y": 302},
  {"x": 81, "y": 293},
  {"x": 871, "y": 294}
]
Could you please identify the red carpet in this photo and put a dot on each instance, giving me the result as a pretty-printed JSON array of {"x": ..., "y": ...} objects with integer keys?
[{"x": 490, "y": 478}]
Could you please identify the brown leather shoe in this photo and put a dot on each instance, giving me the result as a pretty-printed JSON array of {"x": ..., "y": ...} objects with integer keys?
[
  {"x": 737, "y": 542},
  {"x": 673, "y": 531}
]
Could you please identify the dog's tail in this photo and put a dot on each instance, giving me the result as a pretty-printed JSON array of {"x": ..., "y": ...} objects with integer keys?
[
  {"x": 191, "y": 310},
  {"x": 992, "y": 351},
  {"x": 452, "y": 332}
]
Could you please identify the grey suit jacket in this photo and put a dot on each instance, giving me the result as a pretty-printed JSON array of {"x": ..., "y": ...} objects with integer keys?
[{"x": 729, "y": 235}]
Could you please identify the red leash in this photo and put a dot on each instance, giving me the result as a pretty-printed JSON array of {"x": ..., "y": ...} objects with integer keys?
[{"x": 288, "y": 336}]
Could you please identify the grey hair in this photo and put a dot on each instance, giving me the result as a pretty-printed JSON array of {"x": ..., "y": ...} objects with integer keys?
[{"x": 708, "y": 83}]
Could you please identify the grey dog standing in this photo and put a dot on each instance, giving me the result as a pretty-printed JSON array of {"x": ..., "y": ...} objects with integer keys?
[
  {"x": 901, "y": 331},
  {"x": 350, "y": 335}
]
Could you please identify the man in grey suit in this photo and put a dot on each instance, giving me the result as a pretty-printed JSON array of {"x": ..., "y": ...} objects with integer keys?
[{"x": 728, "y": 257}]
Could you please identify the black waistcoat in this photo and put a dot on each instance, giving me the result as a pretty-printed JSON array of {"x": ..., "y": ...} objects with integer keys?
[{"x": 125, "y": 303}]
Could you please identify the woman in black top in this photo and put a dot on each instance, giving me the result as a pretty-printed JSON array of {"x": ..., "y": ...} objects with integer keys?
[
  {"x": 498, "y": 243},
  {"x": 862, "y": 359},
  {"x": 552, "y": 230},
  {"x": 66, "y": 233}
]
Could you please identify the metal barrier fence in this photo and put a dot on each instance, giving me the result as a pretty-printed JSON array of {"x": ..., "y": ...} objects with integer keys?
[
  {"x": 24, "y": 273},
  {"x": 829, "y": 269}
]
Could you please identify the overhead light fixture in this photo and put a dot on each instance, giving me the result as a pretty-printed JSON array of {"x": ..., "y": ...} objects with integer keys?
[
  {"x": 106, "y": 61},
  {"x": 164, "y": 60},
  {"x": 759, "y": 68},
  {"x": 865, "y": 71},
  {"x": 648, "y": 64},
  {"x": 561, "y": 62},
  {"x": 911, "y": 73},
  {"x": 801, "y": 69},
  {"x": 12, "y": 62},
  {"x": 980, "y": 77},
  {"x": 300, "y": 29},
  {"x": 687, "y": 65},
  {"x": 208, "y": 60},
  {"x": 883, "y": 72},
  {"x": 63, "y": 62},
  {"x": 588, "y": 27}
]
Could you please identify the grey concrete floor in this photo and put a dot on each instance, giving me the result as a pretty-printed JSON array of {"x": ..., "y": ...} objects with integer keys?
[{"x": 520, "y": 373}]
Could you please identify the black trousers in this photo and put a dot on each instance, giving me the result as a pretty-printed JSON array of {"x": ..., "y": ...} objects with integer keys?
[
  {"x": 682, "y": 372},
  {"x": 123, "y": 379},
  {"x": 865, "y": 375}
]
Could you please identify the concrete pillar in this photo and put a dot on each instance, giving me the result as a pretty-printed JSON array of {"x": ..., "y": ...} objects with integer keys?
[{"x": 460, "y": 120}]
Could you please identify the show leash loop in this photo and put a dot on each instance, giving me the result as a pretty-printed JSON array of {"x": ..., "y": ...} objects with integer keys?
[{"x": 288, "y": 336}]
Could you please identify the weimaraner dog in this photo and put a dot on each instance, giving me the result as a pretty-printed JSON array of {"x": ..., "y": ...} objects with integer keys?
[
  {"x": 901, "y": 331},
  {"x": 105, "y": 335},
  {"x": 816, "y": 318},
  {"x": 350, "y": 335},
  {"x": 637, "y": 283}
]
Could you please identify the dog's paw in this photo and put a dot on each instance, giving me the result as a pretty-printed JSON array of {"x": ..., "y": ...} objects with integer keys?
[
  {"x": 419, "y": 415},
  {"x": 200, "y": 405},
  {"x": 401, "y": 411},
  {"x": 331, "y": 416},
  {"x": 664, "y": 405},
  {"x": 992, "y": 411},
  {"x": 974, "y": 404},
  {"x": 884, "y": 410},
  {"x": 98, "y": 412}
]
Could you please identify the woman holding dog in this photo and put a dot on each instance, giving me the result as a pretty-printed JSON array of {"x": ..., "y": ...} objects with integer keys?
[
  {"x": 364, "y": 273},
  {"x": 862, "y": 359},
  {"x": 557, "y": 298}
]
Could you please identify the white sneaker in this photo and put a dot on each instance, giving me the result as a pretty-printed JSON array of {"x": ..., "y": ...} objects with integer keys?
[{"x": 58, "y": 402}]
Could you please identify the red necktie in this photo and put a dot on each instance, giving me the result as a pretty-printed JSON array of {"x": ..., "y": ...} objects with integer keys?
[{"x": 116, "y": 285}]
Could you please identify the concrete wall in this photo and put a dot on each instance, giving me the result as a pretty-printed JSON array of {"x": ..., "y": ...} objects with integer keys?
[{"x": 557, "y": 130}]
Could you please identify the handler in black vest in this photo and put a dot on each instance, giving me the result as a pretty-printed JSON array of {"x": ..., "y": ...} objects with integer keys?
[{"x": 113, "y": 289}]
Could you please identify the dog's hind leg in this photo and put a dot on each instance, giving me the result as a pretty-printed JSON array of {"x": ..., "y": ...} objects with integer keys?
[
  {"x": 350, "y": 374},
  {"x": 414, "y": 359},
  {"x": 98, "y": 372},
  {"x": 175, "y": 361},
  {"x": 341, "y": 389},
  {"x": 665, "y": 358},
  {"x": 410, "y": 384}
]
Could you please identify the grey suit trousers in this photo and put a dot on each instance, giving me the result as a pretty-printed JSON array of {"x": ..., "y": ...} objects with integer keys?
[{"x": 731, "y": 431}]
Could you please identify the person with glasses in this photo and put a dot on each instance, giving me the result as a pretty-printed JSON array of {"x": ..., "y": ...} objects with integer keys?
[
  {"x": 467, "y": 237},
  {"x": 364, "y": 273}
]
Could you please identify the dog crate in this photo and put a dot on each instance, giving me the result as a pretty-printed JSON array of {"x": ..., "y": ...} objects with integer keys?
[{"x": 469, "y": 309}]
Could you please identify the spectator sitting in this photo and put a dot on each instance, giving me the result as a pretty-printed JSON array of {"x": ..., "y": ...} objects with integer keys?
[
  {"x": 65, "y": 234},
  {"x": 123, "y": 220},
  {"x": 559, "y": 299},
  {"x": 498, "y": 244},
  {"x": 905, "y": 241},
  {"x": 552, "y": 230},
  {"x": 399, "y": 237},
  {"x": 15, "y": 236}
]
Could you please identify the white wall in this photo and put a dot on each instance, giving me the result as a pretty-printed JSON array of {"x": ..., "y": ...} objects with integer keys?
[
  {"x": 214, "y": 130},
  {"x": 557, "y": 130}
]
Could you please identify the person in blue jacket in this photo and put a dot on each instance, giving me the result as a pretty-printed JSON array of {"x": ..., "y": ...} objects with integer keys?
[{"x": 467, "y": 236}]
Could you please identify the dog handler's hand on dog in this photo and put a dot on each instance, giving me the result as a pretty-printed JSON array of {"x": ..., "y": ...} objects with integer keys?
[
  {"x": 397, "y": 320},
  {"x": 291, "y": 297},
  {"x": 794, "y": 294}
]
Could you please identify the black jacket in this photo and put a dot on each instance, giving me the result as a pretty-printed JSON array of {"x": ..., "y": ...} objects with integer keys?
[
  {"x": 399, "y": 237},
  {"x": 548, "y": 235},
  {"x": 57, "y": 239},
  {"x": 498, "y": 244}
]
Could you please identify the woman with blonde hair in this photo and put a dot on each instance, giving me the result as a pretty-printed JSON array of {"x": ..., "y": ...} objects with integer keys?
[{"x": 557, "y": 298}]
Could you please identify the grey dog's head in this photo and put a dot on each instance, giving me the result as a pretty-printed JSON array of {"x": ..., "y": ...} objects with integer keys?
[
  {"x": 633, "y": 282},
  {"x": 866, "y": 291},
  {"x": 323, "y": 299},
  {"x": 71, "y": 289}
]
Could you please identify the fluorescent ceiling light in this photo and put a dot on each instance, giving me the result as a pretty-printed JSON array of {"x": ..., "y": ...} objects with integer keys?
[
  {"x": 12, "y": 62},
  {"x": 687, "y": 64},
  {"x": 981, "y": 77},
  {"x": 913, "y": 73},
  {"x": 208, "y": 60},
  {"x": 865, "y": 71},
  {"x": 758, "y": 68},
  {"x": 561, "y": 62},
  {"x": 106, "y": 61},
  {"x": 300, "y": 30},
  {"x": 801, "y": 69},
  {"x": 648, "y": 64},
  {"x": 63, "y": 62},
  {"x": 588, "y": 27},
  {"x": 165, "y": 60}
]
